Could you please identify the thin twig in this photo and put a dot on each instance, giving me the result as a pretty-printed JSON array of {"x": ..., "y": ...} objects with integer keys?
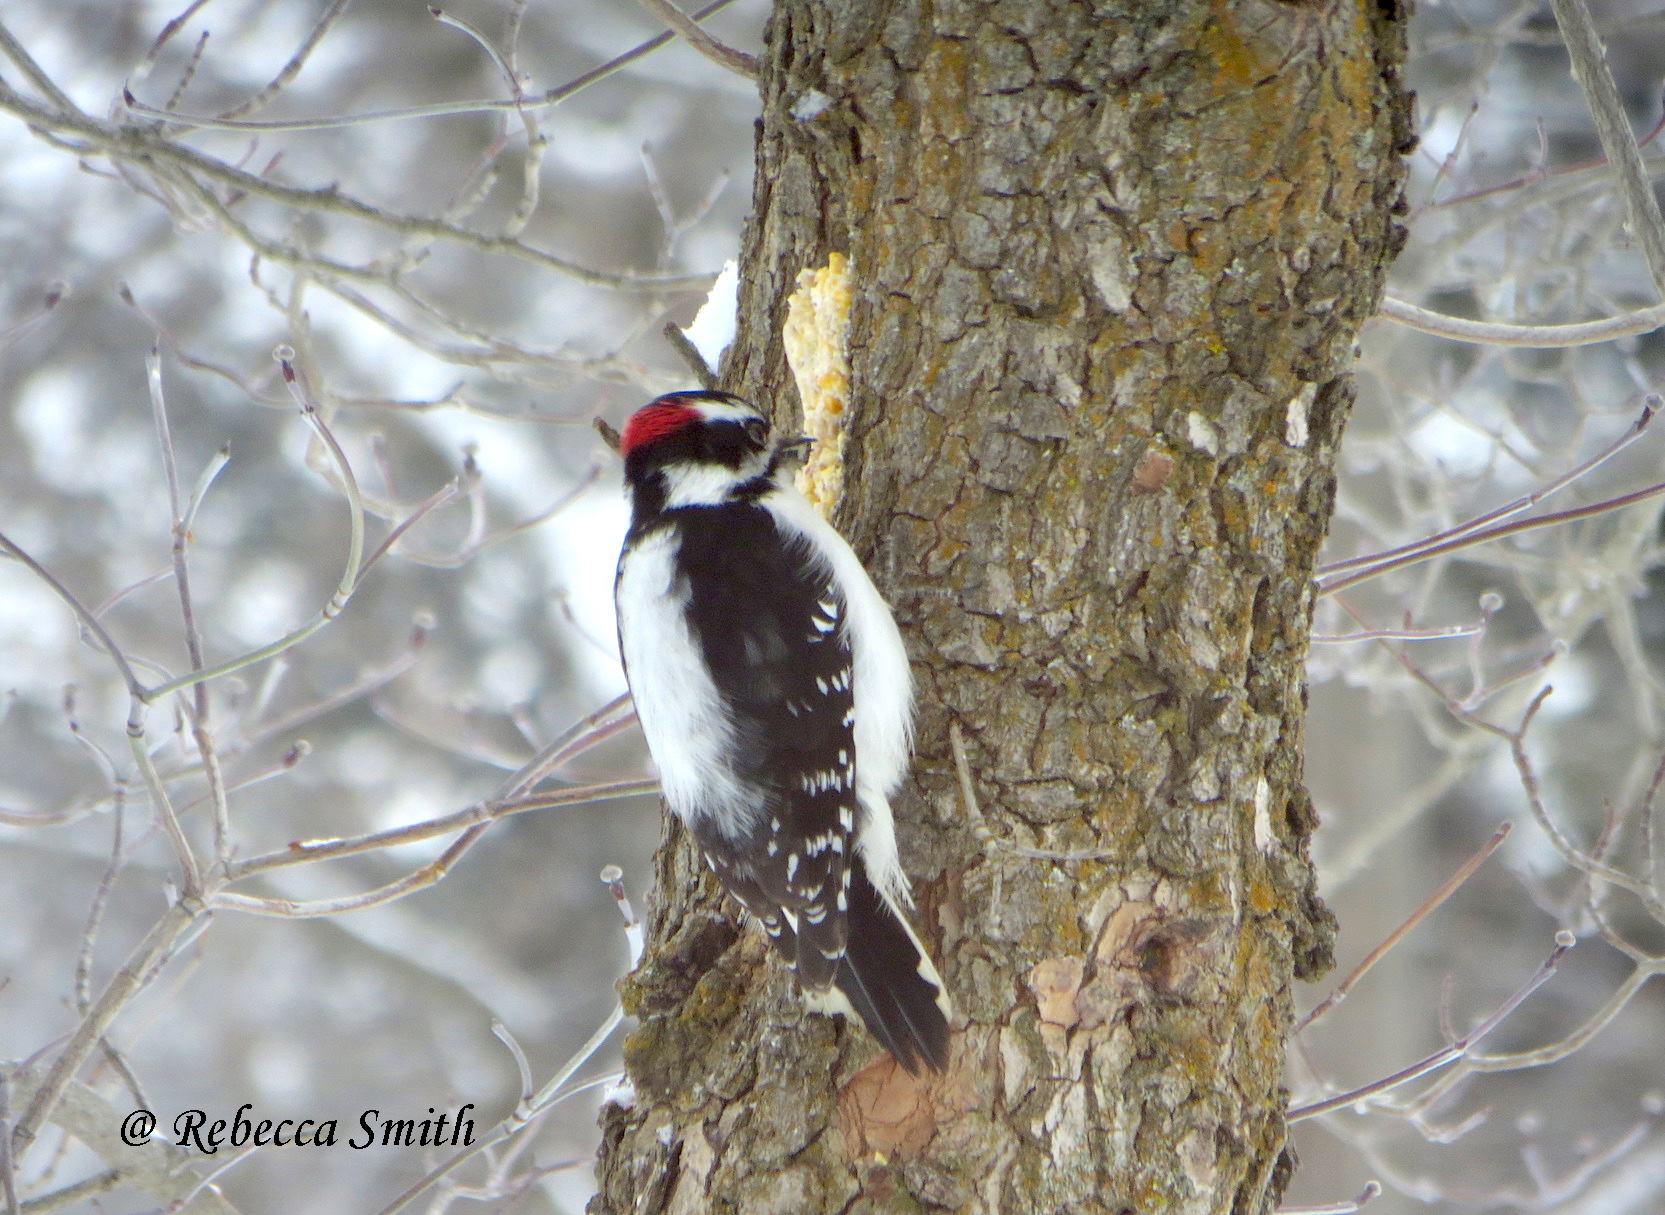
[
  {"x": 1564, "y": 941},
  {"x": 8, "y": 1170},
  {"x": 613, "y": 877},
  {"x": 305, "y": 851},
  {"x": 1534, "y": 337},
  {"x": 419, "y": 879},
  {"x": 1372, "y": 1189},
  {"x": 33, "y": 72},
  {"x": 190, "y": 877},
  {"x": 297, "y": 61},
  {"x": 1590, "y": 70},
  {"x": 1569, "y": 851},
  {"x": 101, "y": 898},
  {"x": 180, "y": 523},
  {"x": 530, "y": 177},
  {"x": 1442, "y": 633},
  {"x": 151, "y": 150},
  {"x": 696, "y": 37},
  {"x": 50, "y": 299},
  {"x": 88, "y": 620},
  {"x": 355, "y": 551},
  {"x": 533, "y": 1106},
  {"x": 553, "y": 97},
  {"x": 690, "y": 354},
  {"x": 1433, "y": 901},
  {"x": 1426, "y": 550},
  {"x": 1568, "y": 175},
  {"x": 161, "y": 942},
  {"x": 1568, "y": 1044},
  {"x": 148, "y": 63},
  {"x": 512, "y": 797},
  {"x": 188, "y": 73},
  {"x": 616, "y": 715},
  {"x": 1419, "y": 549}
]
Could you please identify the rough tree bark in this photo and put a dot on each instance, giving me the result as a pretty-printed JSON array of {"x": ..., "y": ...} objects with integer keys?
[{"x": 1110, "y": 261}]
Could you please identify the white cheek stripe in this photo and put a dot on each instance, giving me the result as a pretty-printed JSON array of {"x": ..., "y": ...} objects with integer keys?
[{"x": 703, "y": 484}]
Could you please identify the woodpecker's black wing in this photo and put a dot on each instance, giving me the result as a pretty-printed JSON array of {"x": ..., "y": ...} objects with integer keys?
[{"x": 770, "y": 626}]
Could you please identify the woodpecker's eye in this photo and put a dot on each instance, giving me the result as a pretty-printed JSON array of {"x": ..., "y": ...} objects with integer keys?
[{"x": 757, "y": 430}]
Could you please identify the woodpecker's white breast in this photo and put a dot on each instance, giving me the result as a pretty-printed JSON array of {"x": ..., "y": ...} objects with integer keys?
[{"x": 687, "y": 725}]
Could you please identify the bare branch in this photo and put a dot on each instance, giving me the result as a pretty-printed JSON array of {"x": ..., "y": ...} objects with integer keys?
[
  {"x": 150, "y": 149},
  {"x": 1589, "y": 68},
  {"x": 696, "y": 37},
  {"x": 292, "y": 68},
  {"x": 1443, "y": 1058},
  {"x": 1465, "y": 537},
  {"x": 1429, "y": 905},
  {"x": 1569, "y": 852},
  {"x": 32, "y": 71},
  {"x": 1443, "y": 633},
  {"x": 349, "y": 577},
  {"x": 88, "y": 620},
  {"x": 1371, "y": 1190},
  {"x": 552, "y": 97},
  {"x": 166, "y": 937},
  {"x": 305, "y": 851},
  {"x": 1447, "y": 541},
  {"x": 690, "y": 355},
  {"x": 1537, "y": 337},
  {"x": 181, "y": 525}
]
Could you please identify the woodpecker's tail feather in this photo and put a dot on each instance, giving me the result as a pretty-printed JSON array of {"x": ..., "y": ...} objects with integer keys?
[{"x": 890, "y": 982}]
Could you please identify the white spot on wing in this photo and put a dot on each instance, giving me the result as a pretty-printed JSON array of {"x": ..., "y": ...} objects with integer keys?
[{"x": 879, "y": 679}]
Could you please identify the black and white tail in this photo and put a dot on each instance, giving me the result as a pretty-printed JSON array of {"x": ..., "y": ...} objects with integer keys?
[{"x": 890, "y": 983}]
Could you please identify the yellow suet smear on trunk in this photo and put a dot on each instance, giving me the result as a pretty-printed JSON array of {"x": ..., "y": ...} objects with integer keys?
[{"x": 817, "y": 329}]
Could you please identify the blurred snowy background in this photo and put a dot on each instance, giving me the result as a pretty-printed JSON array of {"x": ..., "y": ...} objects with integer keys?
[
  {"x": 483, "y": 636},
  {"x": 462, "y": 293}
]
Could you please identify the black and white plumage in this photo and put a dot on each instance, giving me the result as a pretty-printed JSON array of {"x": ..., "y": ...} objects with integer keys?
[{"x": 772, "y": 686}]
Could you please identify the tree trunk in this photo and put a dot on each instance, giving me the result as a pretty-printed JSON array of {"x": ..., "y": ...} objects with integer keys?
[{"x": 1109, "y": 263}]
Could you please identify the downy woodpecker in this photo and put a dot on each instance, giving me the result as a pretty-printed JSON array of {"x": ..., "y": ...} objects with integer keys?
[{"x": 774, "y": 692}]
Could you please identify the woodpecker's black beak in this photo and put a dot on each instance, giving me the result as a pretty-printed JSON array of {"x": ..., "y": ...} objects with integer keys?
[{"x": 794, "y": 448}]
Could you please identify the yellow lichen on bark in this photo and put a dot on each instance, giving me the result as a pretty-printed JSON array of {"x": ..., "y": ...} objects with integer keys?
[{"x": 815, "y": 337}]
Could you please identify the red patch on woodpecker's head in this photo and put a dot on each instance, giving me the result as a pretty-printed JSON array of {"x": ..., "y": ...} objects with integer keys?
[{"x": 653, "y": 421}]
